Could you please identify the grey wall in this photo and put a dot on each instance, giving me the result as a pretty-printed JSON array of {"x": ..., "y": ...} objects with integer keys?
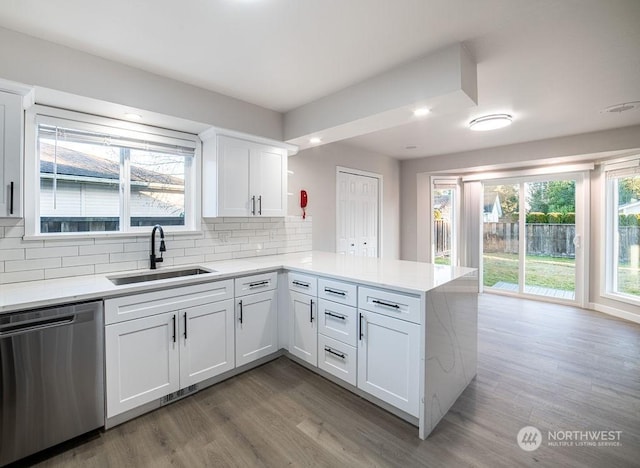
[
  {"x": 36, "y": 62},
  {"x": 314, "y": 170}
]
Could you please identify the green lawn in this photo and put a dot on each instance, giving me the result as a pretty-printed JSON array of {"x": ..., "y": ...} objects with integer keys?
[{"x": 546, "y": 272}]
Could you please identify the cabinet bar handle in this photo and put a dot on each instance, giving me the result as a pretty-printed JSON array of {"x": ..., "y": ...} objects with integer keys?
[
  {"x": 260, "y": 205},
  {"x": 240, "y": 304},
  {"x": 386, "y": 304},
  {"x": 258, "y": 284},
  {"x": 174, "y": 328},
  {"x": 253, "y": 205},
  {"x": 311, "y": 311},
  {"x": 331, "y": 314},
  {"x": 300, "y": 283},
  {"x": 331, "y": 351},
  {"x": 185, "y": 325},
  {"x": 333, "y": 291},
  {"x": 11, "y": 197},
  {"x": 360, "y": 323}
]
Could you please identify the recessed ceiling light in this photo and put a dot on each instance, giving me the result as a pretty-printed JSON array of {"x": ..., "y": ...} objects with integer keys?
[
  {"x": 490, "y": 122},
  {"x": 410, "y": 147},
  {"x": 421, "y": 111},
  {"x": 314, "y": 140},
  {"x": 623, "y": 107},
  {"x": 132, "y": 116}
]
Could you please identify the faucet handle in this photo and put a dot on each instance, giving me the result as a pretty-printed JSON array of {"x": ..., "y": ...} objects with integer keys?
[{"x": 163, "y": 248}]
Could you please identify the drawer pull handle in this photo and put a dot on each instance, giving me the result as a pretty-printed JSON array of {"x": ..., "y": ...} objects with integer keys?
[
  {"x": 11, "y": 204},
  {"x": 240, "y": 304},
  {"x": 360, "y": 324},
  {"x": 311, "y": 311},
  {"x": 300, "y": 283},
  {"x": 258, "y": 284},
  {"x": 335, "y": 353},
  {"x": 333, "y": 291},
  {"x": 185, "y": 325},
  {"x": 386, "y": 304},
  {"x": 331, "y": 314},
  {"x": 253, "y": 205}
]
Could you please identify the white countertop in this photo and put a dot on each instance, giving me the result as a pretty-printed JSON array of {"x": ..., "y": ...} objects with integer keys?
[{"x": 413, "y": 277}]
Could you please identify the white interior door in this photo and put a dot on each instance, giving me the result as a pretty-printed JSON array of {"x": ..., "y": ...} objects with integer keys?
[{"x": 358, "y": 211}]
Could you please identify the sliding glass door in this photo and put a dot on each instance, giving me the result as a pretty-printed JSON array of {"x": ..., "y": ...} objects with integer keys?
[{"x": 530, "y": 240}]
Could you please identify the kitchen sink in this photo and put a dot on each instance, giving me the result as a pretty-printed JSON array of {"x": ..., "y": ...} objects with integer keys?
[{"x": 157, "y": 275}]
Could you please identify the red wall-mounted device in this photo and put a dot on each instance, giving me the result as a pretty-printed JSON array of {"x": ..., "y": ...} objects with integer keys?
[{"x": 303, "y": 202}]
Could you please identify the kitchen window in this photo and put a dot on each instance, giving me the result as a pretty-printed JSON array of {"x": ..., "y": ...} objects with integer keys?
[
  {"x": 622, "y": 226},
  {"x": 101, "y": 176}
]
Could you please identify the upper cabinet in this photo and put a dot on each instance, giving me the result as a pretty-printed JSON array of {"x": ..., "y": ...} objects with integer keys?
[
  {"x": 11, "y": 124},
  {"x": 243, "y": 178}
]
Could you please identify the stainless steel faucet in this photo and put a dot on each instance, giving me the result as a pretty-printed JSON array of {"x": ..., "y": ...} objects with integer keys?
[{"x": 152, "y": 258}]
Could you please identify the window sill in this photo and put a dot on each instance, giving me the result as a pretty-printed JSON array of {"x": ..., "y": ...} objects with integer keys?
[
  {"x": 107, "y": 235},
  {"x": 627, "y": 299}
]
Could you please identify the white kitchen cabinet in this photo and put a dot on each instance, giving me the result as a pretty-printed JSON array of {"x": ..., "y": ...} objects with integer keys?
[
  {"x": 184, "y": 339},
  {"x": 389, "y": 360},
  {"x": 207, "y": 342},
  {"x": 243, "y": 178},
  {"x": 337, "y": 358},
  {"x": 142, "y": 361},
  {"x": 303, "y": 332},
  {"x": 256, "y": 326},
  {"x": 11, "y": 124}
]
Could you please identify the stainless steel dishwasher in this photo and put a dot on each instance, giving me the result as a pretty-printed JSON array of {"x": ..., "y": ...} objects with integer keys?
[{"x": 51, "y": 377}]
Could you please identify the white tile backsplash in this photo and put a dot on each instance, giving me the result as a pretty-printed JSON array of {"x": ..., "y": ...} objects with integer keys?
[{"x": 220, "y": 239}]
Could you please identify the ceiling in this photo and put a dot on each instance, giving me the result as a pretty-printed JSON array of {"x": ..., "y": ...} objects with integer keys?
[{"x": 552, "y": 64}]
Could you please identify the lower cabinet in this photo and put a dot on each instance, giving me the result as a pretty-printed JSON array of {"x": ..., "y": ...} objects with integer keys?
[
  {"x": 389, "y": 360},
  {"x": 256, "y": 326},
  {"x": 337, "y": 358},
  {"x": 303, "y": 331},
  {"x": 150, "y": 357}
]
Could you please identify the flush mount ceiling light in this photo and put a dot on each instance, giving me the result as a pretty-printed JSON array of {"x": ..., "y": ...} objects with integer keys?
[
  {"x": 314, "y": 140},
  {"x": 422, "y": 111},
  {"x": 622, "y": 107},
  {"x": 490, "y": 122}
]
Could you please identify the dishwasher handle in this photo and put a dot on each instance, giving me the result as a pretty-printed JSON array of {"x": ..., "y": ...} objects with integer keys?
[{"x": 35, "y": 326}]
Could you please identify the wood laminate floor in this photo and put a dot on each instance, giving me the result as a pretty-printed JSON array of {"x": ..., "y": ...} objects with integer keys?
[{"x": 545, "y": 365}]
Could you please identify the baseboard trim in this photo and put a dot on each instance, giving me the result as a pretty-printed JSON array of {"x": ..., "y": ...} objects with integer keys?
[{"x": 618, "y": 313}]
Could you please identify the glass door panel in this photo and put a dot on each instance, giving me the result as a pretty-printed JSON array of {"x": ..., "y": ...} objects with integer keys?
[
  {"x": 550, "y": 229},
  {"x": 501, "y": 237}
]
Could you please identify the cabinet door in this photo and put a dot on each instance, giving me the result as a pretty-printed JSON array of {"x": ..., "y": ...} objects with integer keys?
[
  {"x": 256, "y": 326},
  {"x": 268, "y": 175},
  {"x": 142, "y": 361},
  {"x": 207, "y": 341},
  {"x": 10, "y": 155},
  {"x": 389, "y": 360},
  {"x": 234, "y": 158},
  {"x": 303, "y": 332}
]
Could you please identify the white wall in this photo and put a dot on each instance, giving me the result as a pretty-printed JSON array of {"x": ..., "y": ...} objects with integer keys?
[
  {"x": 36, "y": 62},
  {"x": 314, "y": 170}
]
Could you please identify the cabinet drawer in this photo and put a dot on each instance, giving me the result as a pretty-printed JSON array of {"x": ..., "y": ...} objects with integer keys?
[
  {"x": 256, "y": 283},
  {"x": 124, "y": 308},
  {"x": 338, "y": 291},
  {"x": 337, "y": 321},
  {"x": 303, "y": 283},
  {"x": 402, "y": 306},
  {"x": 337, "y": 359}
]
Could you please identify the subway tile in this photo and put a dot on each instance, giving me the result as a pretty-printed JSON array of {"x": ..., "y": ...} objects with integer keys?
[
  {"x": 13, "y": 231},
  {"x": 55, "y": 243},
  {"x": 188, "y": 260},
  {"x": 227, "y": 226},
  {"x": 48, "y": 252},
  {"x": 114, "y": 267},
  {"x": 37, "y": 264},
  {"x": 69, "y": 271},
  {"x": 85, "y": 260},
  {"x": 119, "y": 257},
  {"x": 20, "y": 276},
  {"x": 17, "y": 242},
  {"x": 12, "y": 254},
  {"x": 217, "y": 257},
  {"x": 100, "y": 249}
]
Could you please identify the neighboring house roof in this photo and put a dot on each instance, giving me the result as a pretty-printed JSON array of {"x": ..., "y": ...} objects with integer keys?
[
  {"x": 491, "y": 202},
  {"x": 75, "y": 163},
  {"x": 630, "y": 208}
]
